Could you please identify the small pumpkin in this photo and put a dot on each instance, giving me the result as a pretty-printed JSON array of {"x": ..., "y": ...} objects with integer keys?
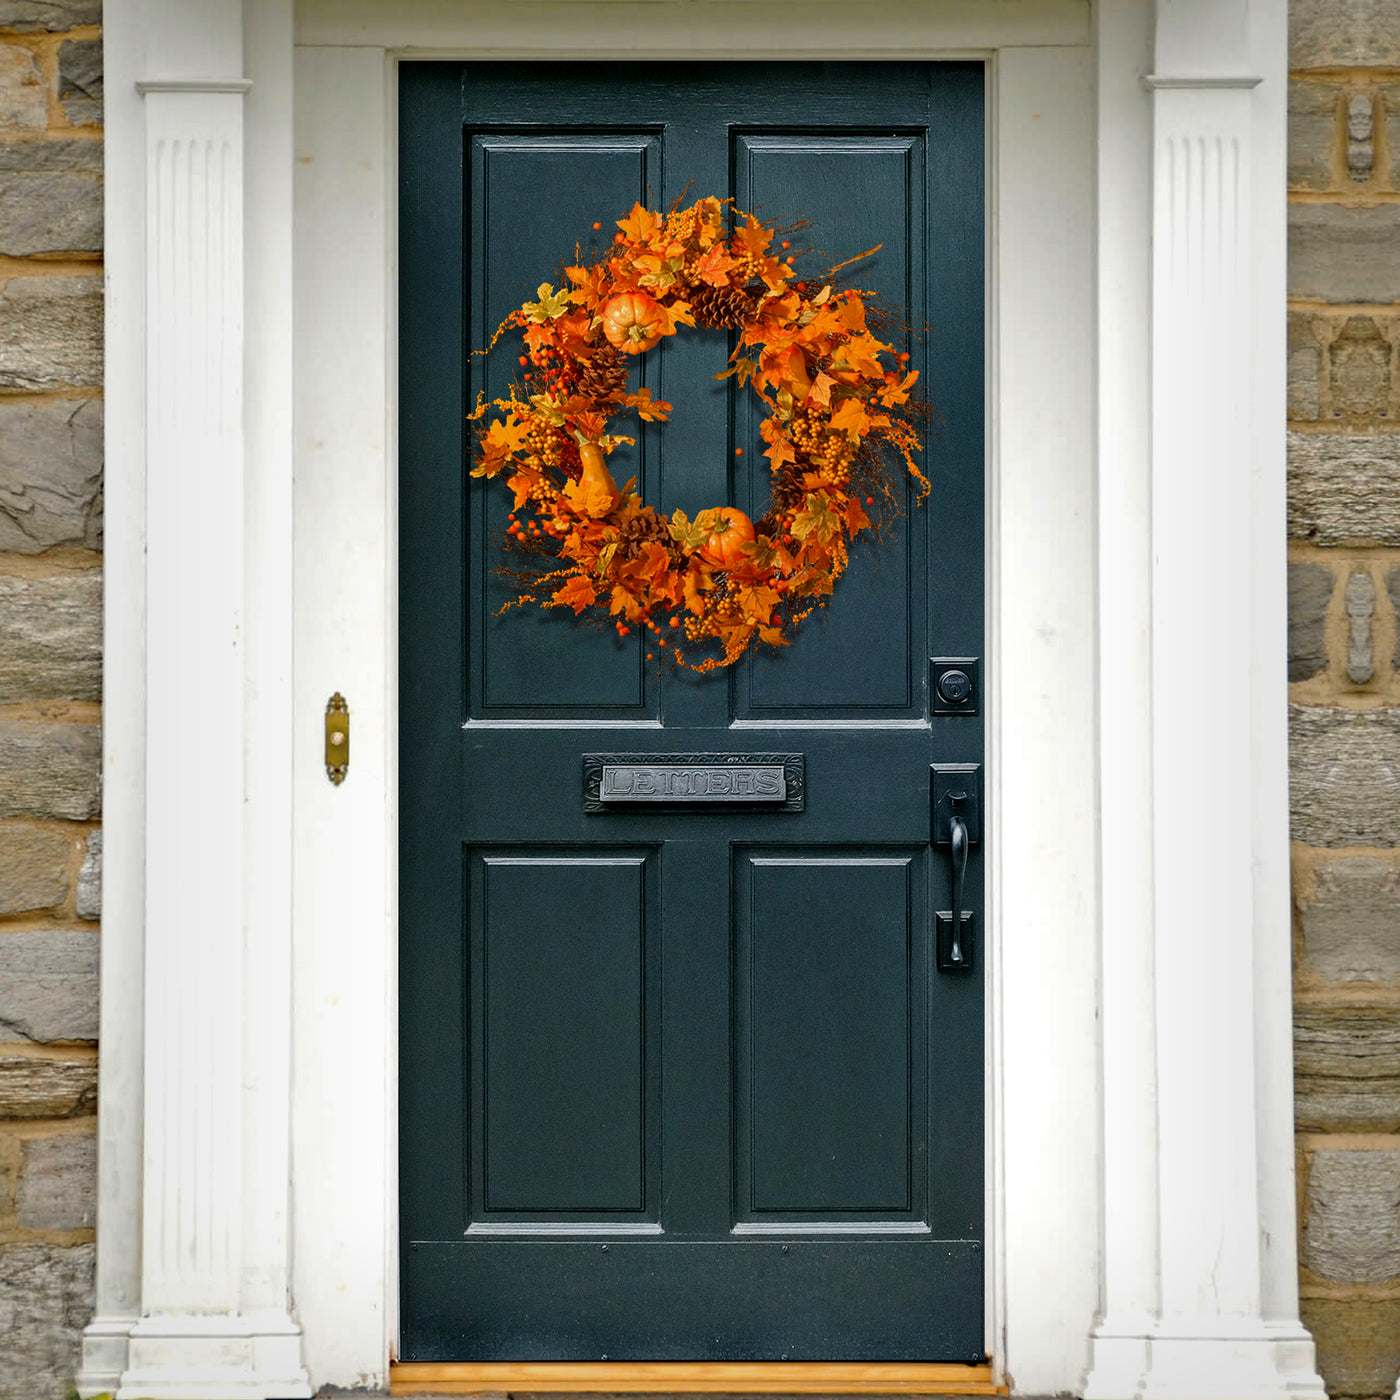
[
  {"x": 633, "y": 321},
  {"x": 730, "y": 531}
]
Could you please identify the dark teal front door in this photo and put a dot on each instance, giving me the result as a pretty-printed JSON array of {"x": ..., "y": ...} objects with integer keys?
[{"x": 678, "y": 1082}]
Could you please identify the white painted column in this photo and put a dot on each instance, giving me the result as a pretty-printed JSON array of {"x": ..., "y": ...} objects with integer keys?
[
  {"x": 1129, "y": 1229},
  {"x": 210, "y": 1030},
  {"x": 1196, "y": 1272}
]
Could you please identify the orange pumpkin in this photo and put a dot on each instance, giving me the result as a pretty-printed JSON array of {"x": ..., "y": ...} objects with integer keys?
[
  {"x": 633, "y": 322},
  {"x": 731, "y": 531}
]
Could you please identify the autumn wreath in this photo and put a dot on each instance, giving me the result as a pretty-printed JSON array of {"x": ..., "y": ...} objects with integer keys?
[{"x": 840, "y": 423}]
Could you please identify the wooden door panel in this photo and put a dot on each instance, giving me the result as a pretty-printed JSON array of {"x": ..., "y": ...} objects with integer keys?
[
  {"x": 829, "y": 1009},
  {"x": 861, "y": 655},
  {"x": 801, "y": 1299},
  {"x": 566, "y": 1050},
  {"x": 527, "y": 663}
]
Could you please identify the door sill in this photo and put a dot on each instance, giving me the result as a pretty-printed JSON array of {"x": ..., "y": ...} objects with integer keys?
[{"x": 691, "y": 1377}]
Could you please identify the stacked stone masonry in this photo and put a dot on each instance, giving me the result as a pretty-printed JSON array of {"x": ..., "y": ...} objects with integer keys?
[
  {"x": 50, "y": 681},
  {"x": 1344, "y": 674}
]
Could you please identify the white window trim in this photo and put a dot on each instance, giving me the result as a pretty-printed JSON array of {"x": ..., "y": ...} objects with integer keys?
[{"x": 1092, "y": 1056}]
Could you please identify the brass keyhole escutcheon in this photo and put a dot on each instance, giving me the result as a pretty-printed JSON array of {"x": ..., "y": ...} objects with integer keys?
[{"x": 337, "y": 738}]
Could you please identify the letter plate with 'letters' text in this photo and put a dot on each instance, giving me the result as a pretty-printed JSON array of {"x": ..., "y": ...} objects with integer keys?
[{"x": 773, "y": 781}]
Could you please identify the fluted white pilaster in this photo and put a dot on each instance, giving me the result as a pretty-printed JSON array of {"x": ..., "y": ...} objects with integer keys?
[
  {"x": 193, "y": 1288},
  {"x": 1196, "y": 1298}
]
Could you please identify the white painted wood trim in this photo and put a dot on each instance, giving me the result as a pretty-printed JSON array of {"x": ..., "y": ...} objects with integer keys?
[
  {"x": 346, "y": 1049},
  {"x": 193, "y": 1287},
  {"x": 1040, "y": 162},
  {"x": 1042, "y": 1040},
  {"x": 1130, "y": 1295},
  {"x": 1071, "y": 647},
  {"x": 721, "y": 29},
  {"x": 1200, "y": 1267}
]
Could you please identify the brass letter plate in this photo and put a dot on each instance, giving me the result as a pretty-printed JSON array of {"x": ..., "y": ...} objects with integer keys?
[{"x": 771, "y": 781}]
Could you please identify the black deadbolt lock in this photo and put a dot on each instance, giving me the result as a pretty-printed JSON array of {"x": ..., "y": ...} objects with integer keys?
[{"x": 954, "y": 685}]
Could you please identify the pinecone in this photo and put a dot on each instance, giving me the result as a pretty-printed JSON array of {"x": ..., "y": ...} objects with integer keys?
[
  {"x": 720, "y": 308},
  {"x": 641, "y": 530},
  {"x": 603, "y": 377},
  {"x": 787, "y": 488}
]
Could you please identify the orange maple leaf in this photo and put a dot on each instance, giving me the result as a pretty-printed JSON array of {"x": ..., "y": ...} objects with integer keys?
[
  {"x": 694, "y": 594},
  {"x": 897, "y": 392},
  {"x": 640, "y": 225},
  {"x": 753, "y": 238},
  {"x": 591, "y": 425},
  {"x": 522, "y": 482},
  {"x": 850, "y": 418},
  {"x": 577, "y": 594},
  {"x": 780, "y": 452},
  {"x": 506, "y": 435},
  {"x": 861, "y": 353},
  {"x": 821, "y": 390},
  {"x": 715, "y": 266},
  {"x": 649, "y": 410},
  {"x": 852, "y": 312},
  {"x": 538, "y": 335},
  {"x": 856, "y": 518}
]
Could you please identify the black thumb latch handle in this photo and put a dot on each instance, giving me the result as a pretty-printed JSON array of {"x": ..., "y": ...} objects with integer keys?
[
  {"x": 958, "y": 846},
  {"x": 955, "y": 821}
]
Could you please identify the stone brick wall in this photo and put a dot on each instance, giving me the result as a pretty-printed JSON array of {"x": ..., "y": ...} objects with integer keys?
[
  {"x": 1344, "y": 670},
  {"x": 50, "y": 680}
]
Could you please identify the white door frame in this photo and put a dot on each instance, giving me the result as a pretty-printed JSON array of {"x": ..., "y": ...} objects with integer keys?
[{"x": 1140, "y": 1170}]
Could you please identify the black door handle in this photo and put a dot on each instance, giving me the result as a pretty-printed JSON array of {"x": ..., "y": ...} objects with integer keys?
[
  {"x": 958, "y": 844},
  {"x": 956, "y": 822}
]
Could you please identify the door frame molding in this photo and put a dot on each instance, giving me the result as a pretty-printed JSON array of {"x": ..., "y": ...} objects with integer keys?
[{"x": 1094, "y": 522}]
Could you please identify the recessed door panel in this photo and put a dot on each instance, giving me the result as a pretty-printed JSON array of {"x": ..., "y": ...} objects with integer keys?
[
  {"x": 560, "y": 994},
  {"x": 855, "y": 192},
  {"x": 829, "y": 1011},
  {"x": 520, "y": 669}
]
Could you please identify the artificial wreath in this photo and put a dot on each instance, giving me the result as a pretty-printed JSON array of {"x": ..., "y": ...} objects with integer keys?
[{"x": 840, "y": 420}]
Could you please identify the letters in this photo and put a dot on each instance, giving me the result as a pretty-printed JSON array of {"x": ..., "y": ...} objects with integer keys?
[{"x": 737, "y": 782}]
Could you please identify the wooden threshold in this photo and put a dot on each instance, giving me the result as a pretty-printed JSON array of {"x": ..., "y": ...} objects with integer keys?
[{"x": 691, "y": 1377}]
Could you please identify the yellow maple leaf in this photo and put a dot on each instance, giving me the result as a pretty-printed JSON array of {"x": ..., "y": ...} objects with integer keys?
[{"x": 549, "y": 305}]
